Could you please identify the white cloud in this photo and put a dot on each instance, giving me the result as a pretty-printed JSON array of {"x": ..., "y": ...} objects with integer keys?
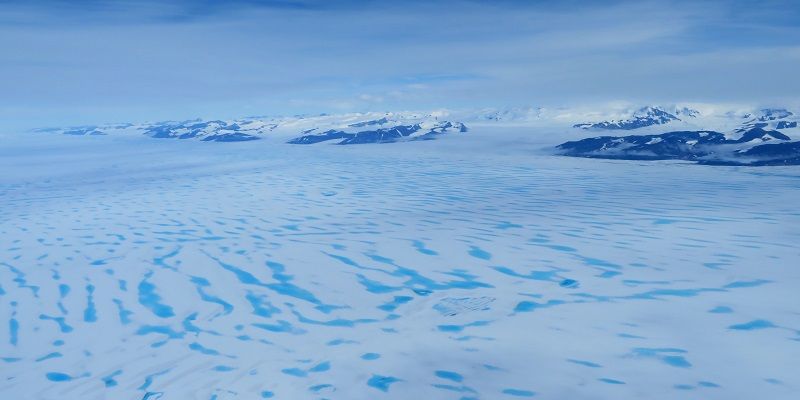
[{"x": 150, "y": 60}]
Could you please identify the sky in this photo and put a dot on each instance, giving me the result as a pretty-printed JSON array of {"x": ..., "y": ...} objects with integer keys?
[{"x": 87, "y": 62}]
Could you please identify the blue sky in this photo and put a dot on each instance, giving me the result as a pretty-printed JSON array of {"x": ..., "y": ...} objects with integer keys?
[{"x": 75, "y": 62}]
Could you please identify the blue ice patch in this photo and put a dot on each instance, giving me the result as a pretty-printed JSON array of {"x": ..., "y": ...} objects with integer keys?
[
  {"x": 721, "y": 310},
  {"x": 585, "y": 363},
  {"x": 202, "y": 349},
  {"x": 54, "y": 354},
  {"x": 58, "y": 377},
  {"x": 295, "y": 372},
  {"x": 459, "y": 328},
  {"x": 449, "y": 375},
  {"x": 109, "y": 380},
  {"x": 518, "y": 392},
  {"x": 569, "y": 283},
  {"x": 90, "y": 314},
  {"x": 370, "y": 356},
  {"x": 62, "y": 325},
  {"x": 148, "y": 380},
  {"x": 321, "y": 367},
  {"x": 668, "y": 356},
  {"x": 753, "y": 325},
  {"x": 151, "y": 300},
  {"x": 420, "y": 247},
  {"x": 382, "y": 383},
  {"x": 528, "y": 306},
  {"x": 477, "y": 252},
  {"x": 746, "y": 284}
]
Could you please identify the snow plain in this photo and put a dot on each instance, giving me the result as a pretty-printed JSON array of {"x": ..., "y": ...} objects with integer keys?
[{"x": 475, "y": 266}]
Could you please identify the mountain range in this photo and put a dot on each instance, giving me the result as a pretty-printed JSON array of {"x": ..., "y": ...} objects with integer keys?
[
  {"x": 356, "y": 128},
  {"x": 762, "y": 138},
  {"x": 706, "y": 134}
]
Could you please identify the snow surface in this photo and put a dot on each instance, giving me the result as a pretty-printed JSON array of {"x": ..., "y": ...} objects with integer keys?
[{"x": 470, "y": 267}]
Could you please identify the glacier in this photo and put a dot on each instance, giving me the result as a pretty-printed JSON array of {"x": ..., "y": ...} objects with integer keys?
[{"x": 475, "y": 266}]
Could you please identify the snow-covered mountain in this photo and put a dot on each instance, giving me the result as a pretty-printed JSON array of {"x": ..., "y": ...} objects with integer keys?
[
  {"x": 689, "y": 132},
  {"x": 384, "y": 132},
  {"x": 755, "y": 146},
  {"x": 643, "y": 117},
  {"x": 217, "y": 131},
  {"x": 761, "y": 137},
  {"x": 355, "y": 128},
  {"x": 659, "y": 119},
  {"x": 771, "y": 118}
]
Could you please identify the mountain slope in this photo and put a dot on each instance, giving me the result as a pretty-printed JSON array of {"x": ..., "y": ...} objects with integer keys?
[
  {"x": 646, "y": 116},
  {"x": 356, "y": 128},
  {"x": 753, "y": 147},
  {"x": 423, "y": 131}
]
